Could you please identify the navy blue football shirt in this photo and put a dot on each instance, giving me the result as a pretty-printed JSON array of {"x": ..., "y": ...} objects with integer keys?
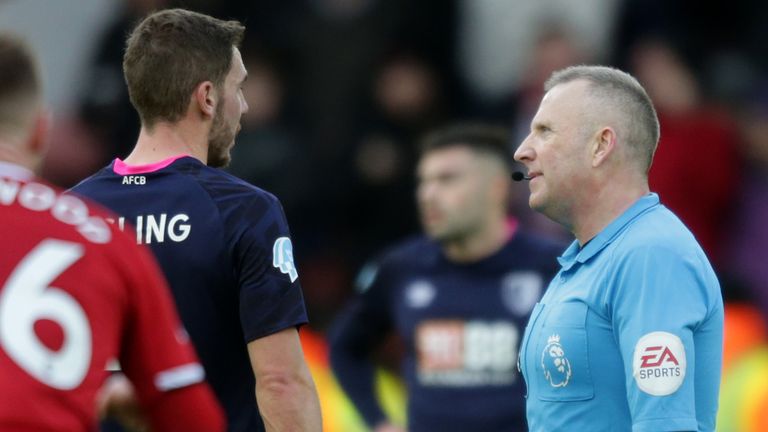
[
  {"x": 461, "y": 325},
  {"x": 225, "y": 249}
]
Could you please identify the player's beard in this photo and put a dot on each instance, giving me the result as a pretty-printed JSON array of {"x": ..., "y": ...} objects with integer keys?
[
  {"x": 451, "y": 235},
  {"x": 446, "y": 232},
  {"x": 455, "y": 227},
  {"x": 220, "y": 141}
]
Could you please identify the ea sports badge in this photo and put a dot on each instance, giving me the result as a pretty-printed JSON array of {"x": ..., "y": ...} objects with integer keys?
[{"x": 658, "y": 364}]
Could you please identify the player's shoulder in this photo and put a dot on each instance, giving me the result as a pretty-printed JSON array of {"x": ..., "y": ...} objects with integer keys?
[
  {"x": 89, "y": 182},
  {"x": 101, "y": 220},
  {"x": 413, "y": 250},
  {"x": 227, "y": 189},
  {"x": 216, "y": 178},
  {"x": 118, "y": 246},
  {"x": 532, "y": 242},
  {"x": 71, "y": 216},
  {"x": 400, "y": 258}
]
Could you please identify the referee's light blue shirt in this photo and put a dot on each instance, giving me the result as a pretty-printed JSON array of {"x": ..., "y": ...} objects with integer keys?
[{"x": 629, "y": 334}]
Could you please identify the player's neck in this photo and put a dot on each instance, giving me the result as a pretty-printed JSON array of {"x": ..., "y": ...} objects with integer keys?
[
  {"x": 167, "y": 140},
  {"x": 12, "y": 154},
  {"x": 481, "y": 244}
]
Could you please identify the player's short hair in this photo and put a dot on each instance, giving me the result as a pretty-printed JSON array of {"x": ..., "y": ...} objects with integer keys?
[
  {"x": 169, "y": 54},
  {"x": 484, "y": 139},
  {"x": 621, "y": 93},
  {"x": 20, "y": 87}
]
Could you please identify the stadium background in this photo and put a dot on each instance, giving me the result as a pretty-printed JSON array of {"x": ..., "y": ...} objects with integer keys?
[{"x": 340, "y": 90}]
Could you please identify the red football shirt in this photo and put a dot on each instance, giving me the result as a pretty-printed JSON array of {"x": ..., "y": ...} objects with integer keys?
[{"x": 75, "y": 293}]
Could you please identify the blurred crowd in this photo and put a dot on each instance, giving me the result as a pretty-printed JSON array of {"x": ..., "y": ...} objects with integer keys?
[{"x": 340, "y": 91}]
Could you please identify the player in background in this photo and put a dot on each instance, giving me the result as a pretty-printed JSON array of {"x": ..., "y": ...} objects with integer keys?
[
  {"x": 458, "y": 297},
  {"x": 223, "y": 244},
  {"x": 75, "y": 293}
]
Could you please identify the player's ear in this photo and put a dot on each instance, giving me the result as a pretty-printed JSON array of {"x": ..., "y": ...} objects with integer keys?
[
  {"x": 501, "y": 186},
  {"x": 206, "y": 98},
  {"x": 38, "y": 139},
  {"x": 603, "y": 144},
  {"x": 497, "y": 180}
]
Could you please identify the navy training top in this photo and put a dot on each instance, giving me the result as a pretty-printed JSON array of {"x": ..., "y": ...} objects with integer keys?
[
  {"x": 461, "y": 325},
  {"x": 225, "y": 248}
]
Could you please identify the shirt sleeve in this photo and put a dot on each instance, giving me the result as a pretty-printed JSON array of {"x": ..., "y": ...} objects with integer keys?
[
  {"x": 271, "y": 298},
  {"x": 355, "y": 335},
  {"x": 660, "y": 298}
]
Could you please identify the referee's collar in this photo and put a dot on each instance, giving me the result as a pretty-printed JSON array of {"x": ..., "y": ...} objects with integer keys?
[{"x": 575, "y": 253}]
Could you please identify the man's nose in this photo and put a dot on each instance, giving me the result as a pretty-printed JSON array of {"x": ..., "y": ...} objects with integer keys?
[{"x": 523, "y": 152}]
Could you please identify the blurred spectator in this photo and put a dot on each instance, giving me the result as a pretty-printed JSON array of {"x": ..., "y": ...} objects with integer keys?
[
  {"x": 332, "y": 48},
  {"x": 555, "y": 49},
  {"x": 74, "y": 153},
  {"x": 744, "y": 392},
  {"x": 270, "y": 151},
  {"x": 407, "y": 100},
  {"x": 748, "y": 236},
  {"x": 372, "y": 199},
  {"x": 497, "y": 36},
  {"x": 723, "y": 41},
  {"x": 697, "y": 163},
  {"x": 105, "y": 109}
]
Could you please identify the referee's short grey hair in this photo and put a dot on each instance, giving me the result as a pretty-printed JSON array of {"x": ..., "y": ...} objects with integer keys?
[{"x": 623, "y": 94}]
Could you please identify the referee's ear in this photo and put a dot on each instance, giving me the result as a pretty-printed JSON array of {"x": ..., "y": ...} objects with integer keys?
[{"x": 603, "y": 145}]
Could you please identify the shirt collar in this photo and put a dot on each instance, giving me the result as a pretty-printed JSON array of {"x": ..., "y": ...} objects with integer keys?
[
  {"x": 575, "y": 253},
  {"x": 121, "y": 168},
  {"x": 14, "y": 171}
]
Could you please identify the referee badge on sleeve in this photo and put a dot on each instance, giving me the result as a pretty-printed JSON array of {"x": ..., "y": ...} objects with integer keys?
[
  {"x": 659, "y": 363},
  {"x": 282, "y": 257}
]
